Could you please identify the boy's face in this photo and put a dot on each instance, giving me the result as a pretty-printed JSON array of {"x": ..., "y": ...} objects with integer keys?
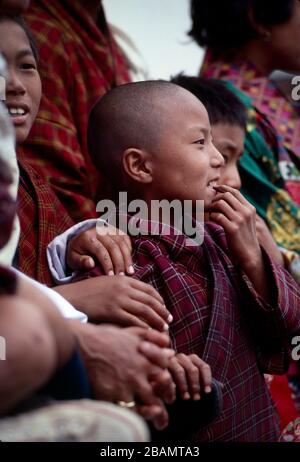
[
  {"x": 186, "y": 165},
  {"x": 229, "y": 140},
  {"x": 23, "y": 88}
]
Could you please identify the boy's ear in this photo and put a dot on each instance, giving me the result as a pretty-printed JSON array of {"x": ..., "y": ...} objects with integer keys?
[
  {"x": 263, "y": 31},
  {"x": 137, "y": 164}
]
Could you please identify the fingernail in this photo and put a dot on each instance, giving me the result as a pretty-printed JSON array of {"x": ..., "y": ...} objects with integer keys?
[
  {"x": 170, "y": 353},
  {"x": 196, "y": 397},
  {"x": 90, "y": 262},
  {"x": 207, "y": 389},
  {"x": 186, "y": 396},
  {"x": 170, "y": 318},
  {"x": 131, "y": 269},
  {"x": 121, "y": 273},
  {"x": 166, "y": 327},
  {"x": 111, "y": 273}
]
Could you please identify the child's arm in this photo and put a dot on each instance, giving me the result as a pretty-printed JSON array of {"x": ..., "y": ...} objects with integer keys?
[
  {"x": 266, "y": 240},
  {"x": 238, "y": 218},
  {"x": 84, "y": 245},
  {"x": 106, "y": 245},
  {"x": 271, "y": 300},
  {"x": 120, "y": 300}
]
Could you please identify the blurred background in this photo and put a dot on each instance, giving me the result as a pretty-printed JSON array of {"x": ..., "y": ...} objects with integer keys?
[{"x": 158, "y": 29}]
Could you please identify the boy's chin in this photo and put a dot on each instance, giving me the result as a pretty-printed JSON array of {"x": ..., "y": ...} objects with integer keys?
[{"x": 21, "y": 135}]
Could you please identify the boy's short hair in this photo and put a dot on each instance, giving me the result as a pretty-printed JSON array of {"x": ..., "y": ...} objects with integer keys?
[
  {"x": 222, "y": 105},
  {"x": 129, "y": 115}
]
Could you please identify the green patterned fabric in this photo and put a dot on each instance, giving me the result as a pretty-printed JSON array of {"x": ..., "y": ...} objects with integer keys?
[{"x": 262, "y": 180}]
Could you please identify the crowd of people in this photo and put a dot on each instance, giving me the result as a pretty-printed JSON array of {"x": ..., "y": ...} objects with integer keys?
[{"x": 148, "y": 336}]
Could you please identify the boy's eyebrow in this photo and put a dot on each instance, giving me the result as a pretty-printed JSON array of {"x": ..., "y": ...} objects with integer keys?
[
  {"x": 24, "y": 53},
  {"x": 228, "y": 143},
  {"x": 200, "y": 128}
]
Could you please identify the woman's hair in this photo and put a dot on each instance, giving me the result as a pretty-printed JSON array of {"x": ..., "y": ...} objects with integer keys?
[
  {"x": 224, "y": 25},
  {"x": 222, "y": 105},
  {"x": 20, "y": 21}
]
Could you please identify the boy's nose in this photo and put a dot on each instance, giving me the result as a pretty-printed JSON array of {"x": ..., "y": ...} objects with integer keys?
[
  {"x": 232, "y": 178},
  {"x": 216, "y": 159},
  {"x": 14, "y": 84}
]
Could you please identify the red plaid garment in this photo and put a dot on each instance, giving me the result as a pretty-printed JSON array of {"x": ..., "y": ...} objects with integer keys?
[
  {"x": 7, "y": 204},
  {"x": 78, "y": 64},
  {"x": 219, "y": 316},
  {"x": 42, "y": 217}
]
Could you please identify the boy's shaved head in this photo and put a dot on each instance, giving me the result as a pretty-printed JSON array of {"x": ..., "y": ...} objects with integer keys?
[
  {"x": 129, "y": 116},
  {"x": 153, "y": 140}
]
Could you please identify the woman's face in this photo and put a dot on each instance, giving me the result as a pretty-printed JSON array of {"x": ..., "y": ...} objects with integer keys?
[
  {"x": 23, "y": 87},
  {"x": 284, "y": 45}
]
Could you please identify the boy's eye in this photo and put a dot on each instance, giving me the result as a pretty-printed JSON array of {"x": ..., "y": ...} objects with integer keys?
[
  {"x": 28, "y": 66},
  {"x": 225, "y": 158},
  {"x": 201, "y": 141}
]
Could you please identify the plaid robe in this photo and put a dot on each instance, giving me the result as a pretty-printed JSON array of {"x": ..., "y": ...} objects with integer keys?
[
  {"x": 78, "y": 63},
  {"x": 42, "y": 217},
  {"x": 219, "y": 316}
]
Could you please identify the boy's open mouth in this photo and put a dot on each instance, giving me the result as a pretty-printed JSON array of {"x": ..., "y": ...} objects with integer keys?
[
  {"x": 18, "y": 113},
  {"x": 212, "y": 183}
]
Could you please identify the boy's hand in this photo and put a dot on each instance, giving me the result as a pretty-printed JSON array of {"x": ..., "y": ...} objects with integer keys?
[
  {"x": 238, "y": 218},
  {"x": 266, "y": 240},
  {"x": 105, "y": 245},
  {"x": 191, "y": 375},
  {"x": 120, "y": 300}
]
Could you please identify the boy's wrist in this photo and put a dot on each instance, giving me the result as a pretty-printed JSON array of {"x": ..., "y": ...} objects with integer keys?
[{"x": 252, "y": 261}]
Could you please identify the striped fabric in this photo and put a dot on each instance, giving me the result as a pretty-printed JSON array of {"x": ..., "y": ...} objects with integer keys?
[
  {"x": 219, "y": 316},
  {"x": 79, "y": 62}
]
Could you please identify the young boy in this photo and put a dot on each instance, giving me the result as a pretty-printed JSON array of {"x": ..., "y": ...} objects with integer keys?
[
  {"x": 231, "y": 304},
  {"x": 228, "y": 117}
]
